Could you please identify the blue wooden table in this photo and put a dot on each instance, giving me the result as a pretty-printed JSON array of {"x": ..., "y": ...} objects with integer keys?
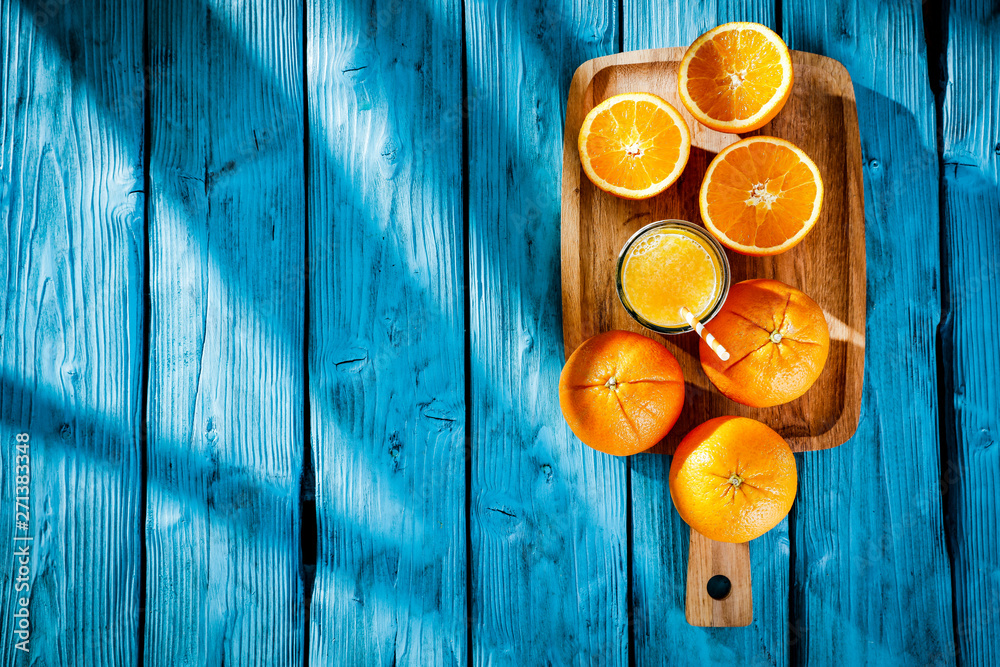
[{"x": 281, "y": 337}]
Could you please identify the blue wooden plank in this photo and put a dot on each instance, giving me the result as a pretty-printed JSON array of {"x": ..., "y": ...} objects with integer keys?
[
  {"x": 71, "y": 259},
  {"x": 225, "y": 426},
  {"x": 971, "y": 349},
  {"x": 660, "y": 537},
  {"x": 548, "y": 515},
  {"x": 386, "y": 345},
  {"x": 868, "y": 534}
]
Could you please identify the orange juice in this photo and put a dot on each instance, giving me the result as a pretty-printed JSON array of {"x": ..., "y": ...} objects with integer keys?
[{"x": 667, "y": 266}]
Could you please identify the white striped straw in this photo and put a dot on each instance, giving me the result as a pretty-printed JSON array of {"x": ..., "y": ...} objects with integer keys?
[{"x": 708, "y": 338}]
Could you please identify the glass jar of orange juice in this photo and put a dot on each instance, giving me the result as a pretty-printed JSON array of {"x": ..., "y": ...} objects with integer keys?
[{"x": 670, "y": 265}]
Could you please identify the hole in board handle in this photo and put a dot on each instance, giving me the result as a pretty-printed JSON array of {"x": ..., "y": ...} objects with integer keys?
[{"x": 719, "y": 587}]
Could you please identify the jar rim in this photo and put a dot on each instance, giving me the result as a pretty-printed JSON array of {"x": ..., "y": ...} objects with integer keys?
[{"x": 709, "y": 240}]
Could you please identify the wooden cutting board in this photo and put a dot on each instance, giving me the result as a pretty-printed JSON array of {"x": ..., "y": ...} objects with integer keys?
[{"x": 829, "y": 265}]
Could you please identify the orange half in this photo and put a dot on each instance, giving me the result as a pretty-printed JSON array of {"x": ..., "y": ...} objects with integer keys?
[
  {"x": 761, "y": 196},
  {"x": 634, "y": 145},
  {"x": 736, "y": 77}
]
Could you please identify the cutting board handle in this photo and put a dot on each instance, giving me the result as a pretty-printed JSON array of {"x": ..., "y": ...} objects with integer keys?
[{"x": 707, "y": 559}]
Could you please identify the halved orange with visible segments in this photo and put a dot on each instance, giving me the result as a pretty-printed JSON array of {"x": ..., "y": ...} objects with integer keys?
[
  {"x": 761, "y": 196},
  {"x": 736, "y": 77},
  {"x": 634, "y": 145}
]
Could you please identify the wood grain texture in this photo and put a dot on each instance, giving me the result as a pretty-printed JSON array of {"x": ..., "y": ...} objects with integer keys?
[
  {"x": 548, "y": 514},
  {"x": 71, "y": 262},
  {"x": 707, "y": 559},
  {"x": 829, "y": 265},
  {"x": 225, "y": 398},
  {"x": 660, "y": 537},
  {"x": 660, "y": 570},
  {"x": 971, "y": 351},
  {"x": 869, "y": 543},
  {"x": 386, "y": 362}
]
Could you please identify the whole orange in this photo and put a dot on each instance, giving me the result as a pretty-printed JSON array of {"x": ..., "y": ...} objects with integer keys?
[
  {"x": 621, "y": 392},
  {"x": 777, "y": 340},
  {"x": 733, "y": 479}
]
